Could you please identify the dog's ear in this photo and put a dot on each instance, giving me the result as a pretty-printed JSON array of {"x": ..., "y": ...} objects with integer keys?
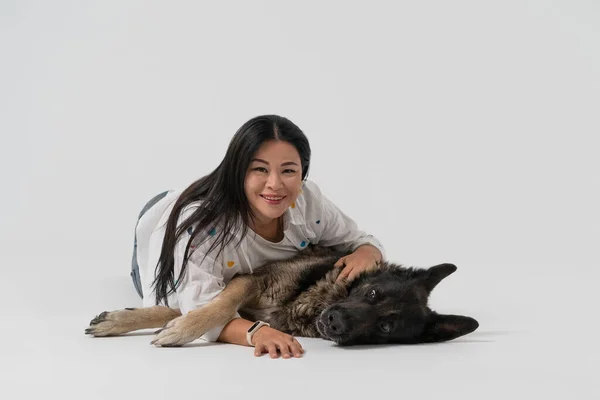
[
  {"x": 441, "y": 328},
  {"x": 435, "y": 274}
]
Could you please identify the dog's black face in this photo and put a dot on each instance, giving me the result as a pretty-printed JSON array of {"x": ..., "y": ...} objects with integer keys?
[{"x": 389, "y": 305}]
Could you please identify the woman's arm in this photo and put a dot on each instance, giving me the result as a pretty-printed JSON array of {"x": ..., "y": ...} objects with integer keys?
[
  {"x": 235, "y": 331},
  {"x": 265, "y": 339}
]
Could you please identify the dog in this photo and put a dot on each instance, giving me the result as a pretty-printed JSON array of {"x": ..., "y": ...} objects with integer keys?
[{"x": 300, "y": 296}]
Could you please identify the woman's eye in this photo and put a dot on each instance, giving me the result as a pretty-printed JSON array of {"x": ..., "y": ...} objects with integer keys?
[
  {"x": 260, "y": 169},
  {"x": 385, "y": 327},
  {"x": 289, "y": 171}
]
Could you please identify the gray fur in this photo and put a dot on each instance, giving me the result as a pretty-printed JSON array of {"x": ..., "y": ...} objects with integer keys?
[{"x": 300, "y": 296}]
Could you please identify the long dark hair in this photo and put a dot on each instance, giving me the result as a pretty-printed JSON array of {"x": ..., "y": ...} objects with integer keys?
[{"x": 223, "y": 201}]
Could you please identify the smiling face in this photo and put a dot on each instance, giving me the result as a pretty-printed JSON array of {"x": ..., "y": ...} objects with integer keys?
[{"x": 273, "y": 180}]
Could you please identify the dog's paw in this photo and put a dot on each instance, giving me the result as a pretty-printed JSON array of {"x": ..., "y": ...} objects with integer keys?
[
  {"x": 176, "y": 332},
  {"x": 109, "y": 323}
]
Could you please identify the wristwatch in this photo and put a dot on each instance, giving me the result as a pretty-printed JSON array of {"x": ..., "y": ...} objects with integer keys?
[{"x": 256, "y": 326}]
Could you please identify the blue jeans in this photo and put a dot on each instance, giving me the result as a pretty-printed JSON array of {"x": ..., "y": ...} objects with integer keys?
[{"x": 135, "y": 268}]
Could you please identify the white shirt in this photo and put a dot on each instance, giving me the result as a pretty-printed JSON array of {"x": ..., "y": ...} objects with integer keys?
[{"x": 312, "y": 218}]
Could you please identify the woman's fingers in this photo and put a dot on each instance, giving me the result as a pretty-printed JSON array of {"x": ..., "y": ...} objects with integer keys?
[
  {"x": 285, "y": 350},
  {"x": 341, "y": 262},
  {"x": 272, "y": 348},
  {"x": 344, "y": 273},
  {"x": 296, "y": 348},
  {"x": 287, "y": 347}
]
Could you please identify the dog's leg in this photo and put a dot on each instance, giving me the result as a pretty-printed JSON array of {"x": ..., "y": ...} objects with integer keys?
[
  {"x": 217, "y": 312},
  {"x": 111, "y": 323}
]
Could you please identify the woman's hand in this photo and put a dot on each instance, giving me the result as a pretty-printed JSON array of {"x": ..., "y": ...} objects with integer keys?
[
  {"x": 364, "y": 258},
  {"x": 269, "y": 340}
]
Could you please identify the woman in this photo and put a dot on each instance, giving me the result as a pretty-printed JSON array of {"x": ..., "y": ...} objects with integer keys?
[{"x": 257, "y": 205}]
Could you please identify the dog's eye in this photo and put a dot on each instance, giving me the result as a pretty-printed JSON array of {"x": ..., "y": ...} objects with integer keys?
[
  {"x": 372, "y": 294},
  {"x": 385, "y": 327}
]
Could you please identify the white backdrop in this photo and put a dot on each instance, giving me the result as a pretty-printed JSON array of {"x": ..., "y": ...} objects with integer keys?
[{"x": 462, "y": 132}]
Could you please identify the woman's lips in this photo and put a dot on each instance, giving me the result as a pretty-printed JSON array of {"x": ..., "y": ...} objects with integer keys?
[{"x": 272, "y": 200}]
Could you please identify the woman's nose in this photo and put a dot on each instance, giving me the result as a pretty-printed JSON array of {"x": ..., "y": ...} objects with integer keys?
[{"x": 274, "y": 180}]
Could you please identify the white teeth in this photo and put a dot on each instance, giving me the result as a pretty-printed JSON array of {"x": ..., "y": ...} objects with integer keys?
[{"x": 273, "y": 198}]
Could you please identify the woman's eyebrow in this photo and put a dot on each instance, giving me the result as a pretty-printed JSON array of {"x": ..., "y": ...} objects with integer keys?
[{"x": 283, "y": 164}]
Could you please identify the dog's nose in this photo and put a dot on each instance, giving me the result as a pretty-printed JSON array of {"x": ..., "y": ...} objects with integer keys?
[{"x": 335, "y": 322}]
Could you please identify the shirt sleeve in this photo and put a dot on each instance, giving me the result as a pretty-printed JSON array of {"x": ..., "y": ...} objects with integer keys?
[
  {"x": 340, "y": 231},
  {"x": 202, "y": 281}
]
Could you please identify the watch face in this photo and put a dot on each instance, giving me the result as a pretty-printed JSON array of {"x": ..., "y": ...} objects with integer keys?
[{"x": 254, "y": 326}]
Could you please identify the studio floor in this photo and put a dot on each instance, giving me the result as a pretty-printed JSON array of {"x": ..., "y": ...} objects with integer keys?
[
  {"x": 463, "y": 132},
  {"x": 535, "y": 339}
]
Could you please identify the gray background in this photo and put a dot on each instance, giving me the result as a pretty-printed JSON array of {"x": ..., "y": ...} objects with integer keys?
[{"x": 461, "y": 132}]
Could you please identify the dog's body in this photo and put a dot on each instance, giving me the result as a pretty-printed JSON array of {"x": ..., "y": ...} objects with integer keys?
[{"x": 301, "y": 297}]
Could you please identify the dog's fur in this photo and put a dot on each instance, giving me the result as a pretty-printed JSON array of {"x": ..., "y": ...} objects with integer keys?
[{"x": 300, "y": 296}]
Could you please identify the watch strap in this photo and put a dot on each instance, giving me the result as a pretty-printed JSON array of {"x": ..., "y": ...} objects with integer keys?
[{"x": 255, "y": 327}]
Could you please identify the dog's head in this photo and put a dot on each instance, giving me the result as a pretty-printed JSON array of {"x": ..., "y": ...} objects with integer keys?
[{"x": 390, "y": 305}]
